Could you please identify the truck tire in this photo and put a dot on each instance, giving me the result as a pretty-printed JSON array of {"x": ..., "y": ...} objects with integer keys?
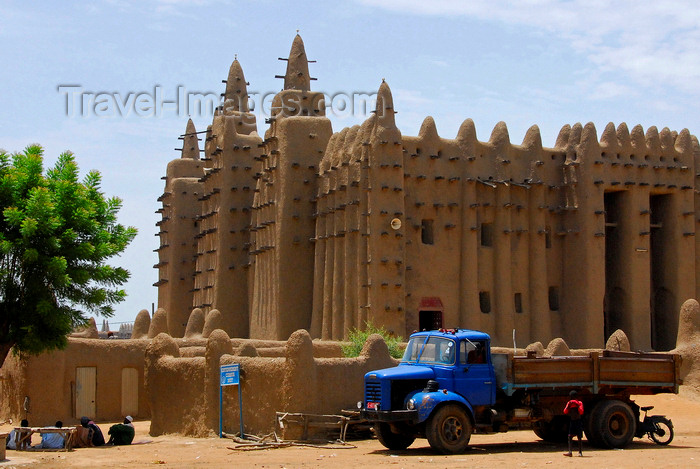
[
  {"x": 554, "y": 431},
  {"x": 612, "y": 424},
  {"x": 592, "y": 436},
  {"x": 449, "y": 429},
  {"x": 391, "y": 440}
]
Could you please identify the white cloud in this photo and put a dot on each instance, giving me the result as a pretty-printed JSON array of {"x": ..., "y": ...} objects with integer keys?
[
  {"x": 413, "y": 99},
  {"x": 651, "y": 42}
]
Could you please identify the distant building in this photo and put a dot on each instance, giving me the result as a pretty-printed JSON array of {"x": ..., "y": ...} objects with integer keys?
[
  {"x": 306, "y": 228},
  {"x": 125, "y": 331}
]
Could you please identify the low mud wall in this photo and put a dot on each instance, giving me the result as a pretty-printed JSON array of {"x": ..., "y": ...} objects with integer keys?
[
  {"x": 174, "y": 385},
  {"x": 50, "y": 382},
  {"x": 299, "y": 381}
]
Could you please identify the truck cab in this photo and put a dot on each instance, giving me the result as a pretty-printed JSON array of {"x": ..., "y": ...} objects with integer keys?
[{"x": 442, "y": 369}]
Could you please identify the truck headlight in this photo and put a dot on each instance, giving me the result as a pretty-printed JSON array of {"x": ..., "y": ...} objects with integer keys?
[
  {"x": 359, "y": 404},
  {"x": 411, "y": 404}
]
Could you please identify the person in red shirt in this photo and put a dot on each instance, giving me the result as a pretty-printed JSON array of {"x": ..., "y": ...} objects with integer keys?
[{"x": 574, "y": 409}]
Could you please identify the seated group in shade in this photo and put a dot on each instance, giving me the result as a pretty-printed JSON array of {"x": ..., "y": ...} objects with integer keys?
[
  {"x": 119, "y": 434},
  {"x": 89, "y": 434},
  {"x": 122, "y": 433},
  {"x": 48, "y": 440}
]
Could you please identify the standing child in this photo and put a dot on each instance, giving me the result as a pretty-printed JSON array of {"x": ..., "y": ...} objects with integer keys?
[{"x": 574, "y": 409}]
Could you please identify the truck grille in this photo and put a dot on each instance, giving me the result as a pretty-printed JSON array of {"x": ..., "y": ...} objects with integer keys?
[{"x": 373, "y": 392}]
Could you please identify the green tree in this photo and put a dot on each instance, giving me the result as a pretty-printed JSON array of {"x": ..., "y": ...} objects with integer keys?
[{"x": 56, "y": 234}]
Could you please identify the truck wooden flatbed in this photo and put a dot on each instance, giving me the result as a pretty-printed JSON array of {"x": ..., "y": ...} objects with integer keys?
[{"x": 607, "y": 372}]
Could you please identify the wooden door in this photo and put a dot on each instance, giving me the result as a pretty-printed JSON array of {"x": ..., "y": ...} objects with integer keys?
[
  {"x": 130, "y": 391},
  {"x": 85, "y": 387}
]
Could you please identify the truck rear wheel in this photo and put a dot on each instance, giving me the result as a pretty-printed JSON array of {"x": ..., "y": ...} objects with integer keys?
[
  {"x": 449, "y": 429},
  {"x": 391, "y": 440},
  {"x": 554, "y": 431},
  {"x": 612, "y": 424},
  {"x": 592, "y": 435}
]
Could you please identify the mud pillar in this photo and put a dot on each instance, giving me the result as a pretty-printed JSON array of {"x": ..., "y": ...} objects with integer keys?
[
  {"x": 503, "y": 290},
  {"x": 540, "y": 316},
  {"x": 219, "y": 344}
]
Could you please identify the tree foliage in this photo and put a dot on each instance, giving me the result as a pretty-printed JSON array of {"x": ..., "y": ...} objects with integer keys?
[
  {"x": 56, "y": 234},
  {"x": 358, "y": 337}
]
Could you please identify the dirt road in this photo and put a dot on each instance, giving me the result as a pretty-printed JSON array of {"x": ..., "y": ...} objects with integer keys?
[{"x": 506, "y": 450}]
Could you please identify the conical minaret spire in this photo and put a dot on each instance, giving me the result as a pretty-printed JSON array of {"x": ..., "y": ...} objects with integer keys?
[
  {"x": 236, "y": 94},
  {"x": 385, "y": 106},
  {"x": 297, "y": 76},
  {"x": 190, "y": 143}
]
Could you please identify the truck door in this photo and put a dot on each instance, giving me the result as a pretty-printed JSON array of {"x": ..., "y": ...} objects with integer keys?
[{"x": 474, "y": 375}]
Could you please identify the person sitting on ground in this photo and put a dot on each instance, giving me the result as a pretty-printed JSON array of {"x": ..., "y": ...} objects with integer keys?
[
  {"x": 52, "y": 440},
  {"x": 15, "y": 435},
  {"x": 95, "y": 437},
  {"x": 122, "y": 433}
]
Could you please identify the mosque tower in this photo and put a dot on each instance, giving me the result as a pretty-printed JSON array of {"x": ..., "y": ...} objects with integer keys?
[
  {"x": 386, "y": 218},
  {"x": 178, "y": 228},
  {"x": 234, "y": 150},
  {"x": 283, "y": 210}
]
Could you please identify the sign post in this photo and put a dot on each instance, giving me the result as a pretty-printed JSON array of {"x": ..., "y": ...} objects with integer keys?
[{"x": 230, "y": 376}]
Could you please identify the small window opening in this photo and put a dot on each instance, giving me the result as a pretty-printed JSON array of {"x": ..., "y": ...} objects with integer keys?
[
  {"x": 518, "y": 300},
  {"x": 487, "y": 234},
  {"x": 426, "y": 234},
  {"x": 485, "y": 302},
  {"x": 554, "y": 298}
]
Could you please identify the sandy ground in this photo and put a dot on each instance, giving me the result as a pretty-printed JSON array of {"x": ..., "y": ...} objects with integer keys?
[{"x": 508, "y": 450}]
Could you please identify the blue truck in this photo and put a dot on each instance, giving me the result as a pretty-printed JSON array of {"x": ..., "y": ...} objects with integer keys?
[{"x": 450, "y": 384}]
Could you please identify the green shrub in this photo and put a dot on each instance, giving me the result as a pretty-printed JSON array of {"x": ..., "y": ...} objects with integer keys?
[{"x": 358, "y": 337}]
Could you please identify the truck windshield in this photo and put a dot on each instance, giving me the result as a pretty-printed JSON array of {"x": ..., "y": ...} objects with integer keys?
[{"x": 434, "y": 350}]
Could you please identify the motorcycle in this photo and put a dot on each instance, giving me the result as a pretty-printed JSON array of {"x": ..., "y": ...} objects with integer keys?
[{"x": 656, "y": 427}]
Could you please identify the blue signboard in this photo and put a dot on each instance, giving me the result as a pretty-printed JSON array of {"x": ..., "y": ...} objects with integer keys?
[{"x": 230, "y": 375}]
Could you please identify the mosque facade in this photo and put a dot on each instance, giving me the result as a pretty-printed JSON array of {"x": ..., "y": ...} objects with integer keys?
[{"x": 307, "y": 228}]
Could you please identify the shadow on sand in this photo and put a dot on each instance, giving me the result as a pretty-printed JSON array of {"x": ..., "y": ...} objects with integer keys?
[{"x": 421, "y": 448}]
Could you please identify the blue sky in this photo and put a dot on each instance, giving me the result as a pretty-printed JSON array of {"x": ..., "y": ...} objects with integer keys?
[{"x": 544, "y": 62}]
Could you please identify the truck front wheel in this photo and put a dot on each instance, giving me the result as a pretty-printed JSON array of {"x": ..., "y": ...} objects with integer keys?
[
  {"x": 612, "y": 424},
  {"x": 449, "y": 429},
  {"x": 391, "y": 440}
]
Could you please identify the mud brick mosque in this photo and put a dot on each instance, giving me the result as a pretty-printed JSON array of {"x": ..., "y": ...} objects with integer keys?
[{"x": 307, "y": 228}]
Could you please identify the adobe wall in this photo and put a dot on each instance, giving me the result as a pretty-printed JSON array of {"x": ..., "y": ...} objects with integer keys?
[
  {"x": 296, "y": 382},
  {"x": 13, "y": 388},
  {"x": 174, "y": 387},
  {"x": 576, "y": 241},
  {"x": 49, "y": 381},
  {"x": 688, "y": 344},
  {"x": 463, "y": 186}
]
